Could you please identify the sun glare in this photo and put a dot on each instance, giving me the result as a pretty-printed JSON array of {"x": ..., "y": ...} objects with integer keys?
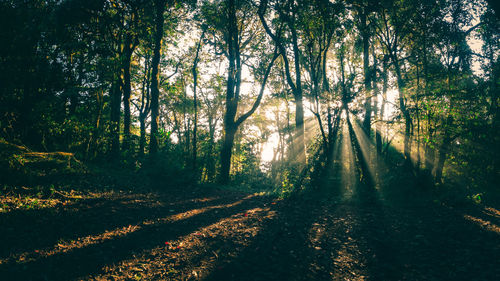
[{"x": 269, "y": 148}]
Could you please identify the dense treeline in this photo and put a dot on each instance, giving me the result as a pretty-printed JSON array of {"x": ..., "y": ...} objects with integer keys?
[{"x": 202, "y": 85}]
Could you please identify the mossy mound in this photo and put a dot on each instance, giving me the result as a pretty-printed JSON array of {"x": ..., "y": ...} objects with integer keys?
[{"x": 18, "y": 164}]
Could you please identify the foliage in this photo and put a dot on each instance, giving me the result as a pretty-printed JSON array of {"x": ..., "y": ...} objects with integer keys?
[{"x": 66, "y": 68}]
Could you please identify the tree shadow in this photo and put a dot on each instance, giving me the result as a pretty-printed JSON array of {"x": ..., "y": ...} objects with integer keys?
[
  {"x": 400, "y": 235},
  {"x": 412, "y": 237},
  {"x": 28, "y": 230},
  {"x": 281, "y": 250},
  {"x": 90, "y": 259}
]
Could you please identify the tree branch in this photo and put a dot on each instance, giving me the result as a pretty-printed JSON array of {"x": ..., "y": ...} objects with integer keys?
[{"x": 256, "y": 104}]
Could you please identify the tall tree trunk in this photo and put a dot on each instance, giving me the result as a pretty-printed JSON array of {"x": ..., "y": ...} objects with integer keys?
[
  {"x": 115, "y": 118},
  {"x": 418, "y": 119},
  {"x": 446, "y": 144},
  {"x": 429, "y": 150},
  {"x": 226, "y": 152},
  {"x": 299, "y": 105},
  {"x": 232, "y": 93},
  {"x": 155, "y": 77},
  {"x": 127, "y": 57},
  {"x": 367, "y": 74},
  {"x": 142, "y": 136},
  {"x": 404, "y": 111},
  {"x": 443, "y": 150},
  {"x": 195, "y": 103},
  {"x": 91, "y": 150},
  {"x": 382, "y": 125},
  {"x": 377, "y": 113},
  {"x": 299, "y": 146},
  {"x": 145, "y": 104}
]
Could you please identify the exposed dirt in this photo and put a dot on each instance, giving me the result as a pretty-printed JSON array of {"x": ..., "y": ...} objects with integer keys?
[
  {"x": 329, "y": 234},
  {"x": 345, "y": 229}
]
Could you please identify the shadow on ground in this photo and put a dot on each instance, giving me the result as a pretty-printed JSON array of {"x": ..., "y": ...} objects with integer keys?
[{"x": 349, "y": 228}]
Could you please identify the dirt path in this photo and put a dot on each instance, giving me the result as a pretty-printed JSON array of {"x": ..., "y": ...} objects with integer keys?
[
  {"x": 343, "y": 230},
  {"x": 241, "y": 237},
  {"x": 385, "y": 228}
]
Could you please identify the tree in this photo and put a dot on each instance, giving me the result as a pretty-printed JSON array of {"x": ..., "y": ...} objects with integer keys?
[
  {"x": 233, "y": 44},
  {"x": 159, "y": 8},
  {"x": 288, "y": 17}
]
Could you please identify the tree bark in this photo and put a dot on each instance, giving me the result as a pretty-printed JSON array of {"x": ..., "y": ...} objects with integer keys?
[
  {"x": 145, "y": 104},
  {"x": 127, "y": 57},
  {"x": 404, "y": 111},
  {"x": 380, "y": 139},
  {"x": 232, "y": 94},
  {"x": 367, "y": 73},
  {"x": 195, "y": 102},
  {"x": 155, "y": 77},
  {"x": 299, "y": 147},
  {"x": 233, "y": 91},
  {"x": 299, "y": 106},
  {"x": 376, "y": 113},
  {"x": 115, "y": 118}
]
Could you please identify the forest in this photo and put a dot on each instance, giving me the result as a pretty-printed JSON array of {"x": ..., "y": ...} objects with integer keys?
[{"x": 249, "y": 140}]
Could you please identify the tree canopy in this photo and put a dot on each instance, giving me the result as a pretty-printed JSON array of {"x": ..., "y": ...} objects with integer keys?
[{"x": 212, "y": 87}]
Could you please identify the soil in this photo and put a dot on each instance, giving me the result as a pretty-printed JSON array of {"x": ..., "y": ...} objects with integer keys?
[
  {"x": 215, "y": 234},
  {"x": 344, "y": 229}
]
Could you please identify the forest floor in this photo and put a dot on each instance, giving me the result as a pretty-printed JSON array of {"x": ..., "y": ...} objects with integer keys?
[
  {"x": 213, "y": 234},
  {"x": 342, "y": 230}
]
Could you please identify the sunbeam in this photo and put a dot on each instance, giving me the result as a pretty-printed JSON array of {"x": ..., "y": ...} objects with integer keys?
[
  {"x": 296, "y": 152},
  {"x": 348, "y": 179}
]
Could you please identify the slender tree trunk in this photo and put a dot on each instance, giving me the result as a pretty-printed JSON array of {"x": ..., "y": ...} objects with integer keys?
[
  {"x": 367, "y": 74},
  {"x": 233, "y": 90},
  {"x": 443, "y": 150},
  {"x": 195, "y": 103},
  {"x": 127, "y": 53},
  {"x": 231, "y": 93},
  {"x": 115, "y": 118},
  {"x": 381, "y": 122},
  {"x": 495, "y": 112},
  {"x": 446, "y": 144},
  {"x": 155, "y": 76},
  {"x": 142, "y": 137},
  {"x": 404, "y": 110},
  {"x": 377, "y": 112},
  {"x": 429, "y": 151},
  {"x": 226, "y": 152},
  {"x": 298, "y": 148},
  {"x": 418, "y": 120},
  {"x": 299, "y": 105},
  {"x": 210, "y": 168},
  {"x": 289, "y": 130},
  {"x": 145, "y": 105}
]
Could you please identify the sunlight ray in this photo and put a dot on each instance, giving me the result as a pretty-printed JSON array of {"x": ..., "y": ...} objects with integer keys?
[
  {"x": 310, "y": 131},
  {"x": 394, "y": 138},
  {"x": 377, "y": 169},
  {"x": 348, "y": 175}
]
